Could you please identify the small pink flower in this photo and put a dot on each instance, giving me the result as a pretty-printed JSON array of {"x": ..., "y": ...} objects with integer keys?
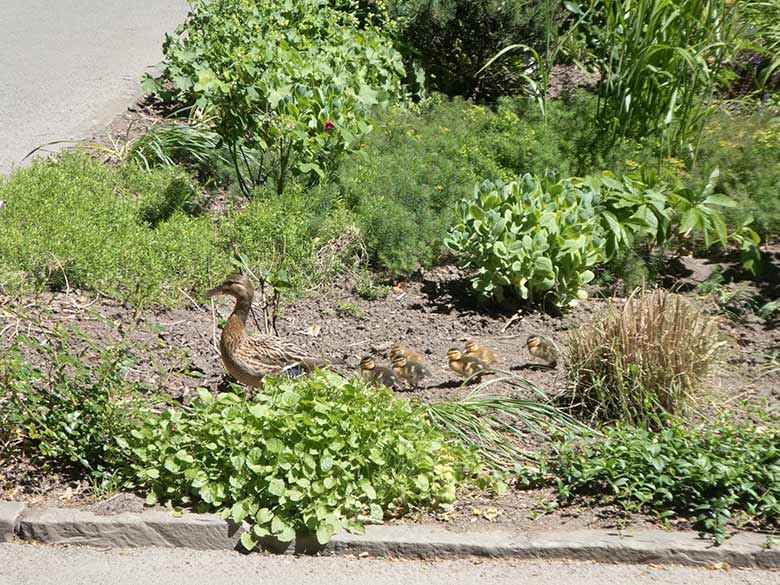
[{"x": 329, "y": 125}]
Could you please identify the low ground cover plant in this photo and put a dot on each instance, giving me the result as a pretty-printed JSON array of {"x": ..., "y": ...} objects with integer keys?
[
  {"x": 719, "y": 474},
  {"x": 642, "y": 362},
  {"x": 144, "y": 236},
  {"x": 317, "y": 455},
  {"x": 67, "y": 403}
]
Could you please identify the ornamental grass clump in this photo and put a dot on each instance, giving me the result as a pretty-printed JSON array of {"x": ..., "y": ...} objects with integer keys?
[{"x": 644, "y": 361}]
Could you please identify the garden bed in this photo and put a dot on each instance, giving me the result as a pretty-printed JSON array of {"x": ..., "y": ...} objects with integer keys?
[{"x": 175, "y": 350}]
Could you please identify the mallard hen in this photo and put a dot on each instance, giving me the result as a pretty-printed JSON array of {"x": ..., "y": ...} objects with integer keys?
[{"x": 250, "y": 358}]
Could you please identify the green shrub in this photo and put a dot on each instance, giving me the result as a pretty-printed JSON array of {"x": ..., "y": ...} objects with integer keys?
[
  {"x": 643, "y": 362},
  {"x": 292, "y": 79},
  {"x": 69, "y": 405},
  {"x": 537, "y": 240},
  {"x": 401, "y": 188},
  {"x": 716, "y": 474},
  {"x": 142, "y": 236},
  {"x": 747, "y": 151},
  {"x": 75, "y": 222},
  {"x": 314, "y": 455},
  {"x": 453, "y": 39}
]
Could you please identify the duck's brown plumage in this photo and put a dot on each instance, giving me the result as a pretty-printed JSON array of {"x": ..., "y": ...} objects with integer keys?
[{"x": 250, "y": 358}]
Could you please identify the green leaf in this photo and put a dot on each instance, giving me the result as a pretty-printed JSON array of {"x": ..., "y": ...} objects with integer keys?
[
  {"x": 248, "y": 541},
  {"x": 325, "y": 533},
  {"x": 276, "y": 487}
]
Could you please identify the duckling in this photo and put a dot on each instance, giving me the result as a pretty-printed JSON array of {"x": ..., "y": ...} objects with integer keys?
[
  {"x": 410, "y": 370},
  {"x": 464, "y": 365},
  {"x": 482, "y": 353},
  {"x": 544, "y": 349},
  {"x": 378, "y": 374},
  {"x": 250, "y": 358},
  {"x": 410, "y": 355}
]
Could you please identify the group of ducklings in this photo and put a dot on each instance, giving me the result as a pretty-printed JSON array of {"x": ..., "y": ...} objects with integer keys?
[
  {"x": 249, "y": 358},
  {"x": 409, "y": 366}
]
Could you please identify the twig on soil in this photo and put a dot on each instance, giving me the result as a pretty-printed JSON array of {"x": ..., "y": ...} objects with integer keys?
[
  {"x": 193, "y": 301},
  {"x": 512, "y": 319}
]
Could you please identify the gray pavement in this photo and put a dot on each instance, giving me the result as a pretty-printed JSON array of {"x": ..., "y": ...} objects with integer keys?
[
  {"x": 28, "y": 564},
  {"x": 69, "y": 66}
]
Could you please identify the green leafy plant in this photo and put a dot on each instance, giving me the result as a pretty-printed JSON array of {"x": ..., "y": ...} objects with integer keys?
[
  {"x": 720, "y": 473},
  {"x": 538, "y": 240},
  {"x": 69, "y": 405},
  {"x": 311, "y": 455},
  {"x": 293, "y": 80},
  {"x": 642, "y": 362}
]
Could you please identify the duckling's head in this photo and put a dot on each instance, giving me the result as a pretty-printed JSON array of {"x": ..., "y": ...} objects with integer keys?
[
  {"x": 397, "y": 349},
  {"x": 236, "y": 285},
  {"x": 399, "y": 360},
  {"x": 454, "y": 355},
  {"x": 367, "y": 363},
  {"x": 533, "y": 342},
  {"x": 471, "y": 345}
]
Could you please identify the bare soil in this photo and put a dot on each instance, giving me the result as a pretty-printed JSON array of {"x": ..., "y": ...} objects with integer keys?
[{"x": 176, "y": 350}]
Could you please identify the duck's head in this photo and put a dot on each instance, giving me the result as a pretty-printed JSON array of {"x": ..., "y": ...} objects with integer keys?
[
  {"x": 397, "y": 349},
  {"x": 236, "y": 285},
  {"x": 454, "y": 355},
  {"x": 367, "y": 363},
  {"x": 399, "y": 361},
  {"x": 471, "y": 345},
  {"x": 533, "y": 342}
]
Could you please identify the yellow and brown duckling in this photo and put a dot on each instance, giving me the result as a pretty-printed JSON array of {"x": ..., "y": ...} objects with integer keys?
[
  {"x": 378, "y": 374},
  {"x": 250, "y": 358},
  {"x": 411, "y": 371},
  {"x": 482, "y": 353},
  {"x": 410, "y": 355},
  {"x": 543, "y": 349},
  {"x": 464, "y": 365}
]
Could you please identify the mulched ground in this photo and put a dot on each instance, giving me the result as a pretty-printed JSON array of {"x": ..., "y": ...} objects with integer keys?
[{"x": 176, "y": 350}]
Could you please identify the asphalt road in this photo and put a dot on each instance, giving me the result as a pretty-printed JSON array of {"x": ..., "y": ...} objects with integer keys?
[
  {"x": 69, "y": 66},
  {"x": 29, "y": 564}
]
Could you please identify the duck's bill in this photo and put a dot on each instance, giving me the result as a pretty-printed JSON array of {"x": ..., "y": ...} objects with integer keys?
[{"x": 213, "y": 292}]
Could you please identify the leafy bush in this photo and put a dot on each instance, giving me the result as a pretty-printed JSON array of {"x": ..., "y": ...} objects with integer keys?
[
  {"x": 453, "y": 39},
  {"x": 538, "y": 240},
  {"x": 643, "y": 362},
  {"x": 717, "y": 473},
  {"x": 309, "y": 455},
  {"x": 292, "y": 79},
  {"x": 69, "y": 405}
]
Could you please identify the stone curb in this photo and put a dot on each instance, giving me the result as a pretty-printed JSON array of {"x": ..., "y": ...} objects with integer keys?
[
  {"x": 210, "y": 532},
  {"x": 9, "y": 519}
]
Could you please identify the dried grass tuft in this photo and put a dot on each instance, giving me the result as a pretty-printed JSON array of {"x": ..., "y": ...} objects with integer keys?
[{"x": 644, "y": 361}]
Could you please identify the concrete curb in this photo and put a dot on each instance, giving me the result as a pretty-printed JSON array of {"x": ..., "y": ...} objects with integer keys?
[
  {"x": 9, "y": 519},
  {"x": 206, "y": 531}
]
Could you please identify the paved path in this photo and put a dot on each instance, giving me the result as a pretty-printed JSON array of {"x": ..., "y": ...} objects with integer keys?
[
  {"x": 67, "y": 66},
  {"x": 29, "y": 564}
]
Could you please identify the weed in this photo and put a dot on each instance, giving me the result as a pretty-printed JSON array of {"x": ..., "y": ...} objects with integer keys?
[
  {"x": 643, "y": 362},
  {"x": 367, "y": 289},
  {"x": 350, "y": 309}
]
